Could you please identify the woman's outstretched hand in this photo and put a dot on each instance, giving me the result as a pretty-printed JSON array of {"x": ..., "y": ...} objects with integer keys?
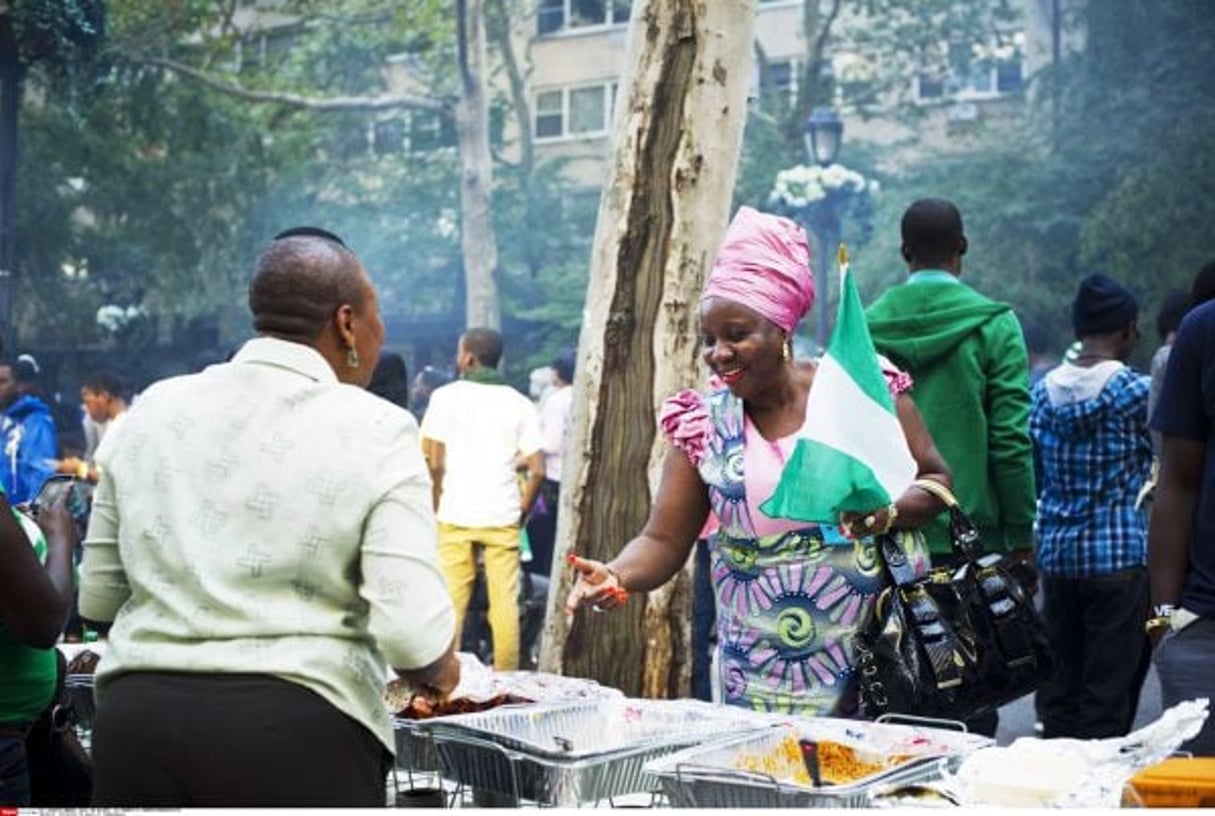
[{"x": 597, "y": 584}]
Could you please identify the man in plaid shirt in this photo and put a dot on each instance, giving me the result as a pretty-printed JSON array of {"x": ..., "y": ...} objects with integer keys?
[{"x": 1089, "y": 425}]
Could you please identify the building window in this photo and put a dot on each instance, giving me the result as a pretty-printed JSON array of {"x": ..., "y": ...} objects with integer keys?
[
  {"x": 564, "y": 15},
  {"x": 413, "y": 131},
  {"x": 550, "y": 115},
  {"x": 779, "y": 79},
  {"x": 930, "y": 86},
  {"x": 588, "y": 112},
  {"x": 580, "y": 111},
  {"x": 984, "y": 70}
]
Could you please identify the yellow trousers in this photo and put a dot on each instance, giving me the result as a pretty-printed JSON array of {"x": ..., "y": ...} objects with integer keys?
[{"x": 500, "y": 548}]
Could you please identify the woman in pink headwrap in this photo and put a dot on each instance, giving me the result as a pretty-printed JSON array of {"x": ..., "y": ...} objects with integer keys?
[{"x": 790, "y": 595}]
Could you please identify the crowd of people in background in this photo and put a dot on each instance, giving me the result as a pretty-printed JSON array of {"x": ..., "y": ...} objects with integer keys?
[{"x": 355, "y": 534}]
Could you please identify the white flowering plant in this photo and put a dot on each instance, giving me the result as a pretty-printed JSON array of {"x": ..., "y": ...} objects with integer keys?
[
  {"x": 810, "y": 193},
  {"x": 114, "y": 319}
]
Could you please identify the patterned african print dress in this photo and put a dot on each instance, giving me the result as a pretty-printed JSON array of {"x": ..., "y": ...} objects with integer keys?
[{"x": 790, "y": 597}]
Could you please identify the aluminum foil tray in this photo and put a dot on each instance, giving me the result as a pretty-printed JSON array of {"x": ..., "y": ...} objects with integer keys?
[
  {"x": 416, "y": 750},
  {"x": 79, "y": 688},
  {"x": 713, "y": 776},
  {"x": 571, "y": 754}
]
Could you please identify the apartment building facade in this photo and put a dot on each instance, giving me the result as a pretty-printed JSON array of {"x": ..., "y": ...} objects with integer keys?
[{"x": 577, "y": 53}]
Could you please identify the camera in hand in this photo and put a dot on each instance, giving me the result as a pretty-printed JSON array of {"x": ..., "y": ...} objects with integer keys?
[{"x": 79, "y": 498}]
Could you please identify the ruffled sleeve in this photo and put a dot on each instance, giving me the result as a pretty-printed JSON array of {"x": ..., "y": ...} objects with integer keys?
[
  {"x": 685, "y": 422},
  {"x": 897, "y": 380}
]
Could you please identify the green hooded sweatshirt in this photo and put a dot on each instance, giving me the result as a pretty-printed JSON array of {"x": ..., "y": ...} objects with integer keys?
[{"x": 967, "y": 357}]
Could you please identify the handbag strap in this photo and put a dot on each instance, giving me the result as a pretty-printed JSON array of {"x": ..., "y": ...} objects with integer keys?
[
  {"x": 934, "y": 633},
  {"x": 963, "y": 534},
  {"x": 899, "y": 568}
]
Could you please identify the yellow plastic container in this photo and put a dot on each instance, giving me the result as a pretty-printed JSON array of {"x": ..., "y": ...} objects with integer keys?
[{"x": 1176, "y": 782}]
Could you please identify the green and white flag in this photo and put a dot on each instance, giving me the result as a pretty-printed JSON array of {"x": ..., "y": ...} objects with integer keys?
[{"x": 851, "y": 453}]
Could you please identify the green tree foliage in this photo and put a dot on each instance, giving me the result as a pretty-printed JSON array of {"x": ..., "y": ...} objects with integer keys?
[
  {"x": 142, "y": 186},
  {"x": 1148, "y": 111},
  {"x": 1109, "y": 172},
  {"x": 863, "y": 55}
]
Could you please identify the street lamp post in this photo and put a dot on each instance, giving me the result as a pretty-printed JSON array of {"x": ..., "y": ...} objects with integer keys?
[{"x": 823, "y": 133}]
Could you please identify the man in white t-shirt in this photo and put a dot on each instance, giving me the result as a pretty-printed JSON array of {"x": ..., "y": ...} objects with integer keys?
[
  {"x": 472, "y": 434},
  {"x": 554, "y": 425}
]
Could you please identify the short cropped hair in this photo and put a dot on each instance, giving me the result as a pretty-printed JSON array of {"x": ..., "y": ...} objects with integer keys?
[
  {"x": 563, "y": 364},
  {"x": 932, "y": 232},
  {"x": 105, "y": 382},
  {"x": 485, "y": 345},
  {"x": 299, "y": 282}
]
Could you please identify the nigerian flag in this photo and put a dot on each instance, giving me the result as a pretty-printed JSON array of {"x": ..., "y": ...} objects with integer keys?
[{"x": 851, "y": 453}]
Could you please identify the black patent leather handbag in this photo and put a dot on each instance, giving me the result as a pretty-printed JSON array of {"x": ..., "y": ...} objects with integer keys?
[{"x": 956, "y": 642}]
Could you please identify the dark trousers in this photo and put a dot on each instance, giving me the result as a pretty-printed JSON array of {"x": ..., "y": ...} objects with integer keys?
[
  {"x": 208, "y": 740},
  {"x": 704, "y": 619},
  {"x": 14, "y": 772},
  {"x": 1185, "y": 661},
  {"x": 1101, "y": 653},
  {"x": 542, "y": 530}
]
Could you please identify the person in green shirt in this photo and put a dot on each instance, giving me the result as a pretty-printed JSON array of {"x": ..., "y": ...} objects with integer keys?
[
  {"x": 967, "y": 356},
  {"x": 35, "y": 597}
]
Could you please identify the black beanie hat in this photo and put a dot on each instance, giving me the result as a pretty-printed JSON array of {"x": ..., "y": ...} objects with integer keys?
[{"x": 1102, "y": 305}]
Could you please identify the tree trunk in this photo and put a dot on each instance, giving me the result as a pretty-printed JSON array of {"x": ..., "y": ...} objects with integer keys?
[
  {"x": 664, "y": 208},
  {"x": 478, "y": 244},
  {"x": 10, "y": 96},
  {"x": 815, "y": 87}
]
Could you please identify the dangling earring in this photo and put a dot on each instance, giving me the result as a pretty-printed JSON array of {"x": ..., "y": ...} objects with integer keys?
[
  {"x": 785, "y": 352},
  {"x": 352, "y": 357}
]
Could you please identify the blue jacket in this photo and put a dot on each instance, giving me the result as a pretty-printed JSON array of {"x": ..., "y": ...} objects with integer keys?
[{"x": 30, "y": 444}]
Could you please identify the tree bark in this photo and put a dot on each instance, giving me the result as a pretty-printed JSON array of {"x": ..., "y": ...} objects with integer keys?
[
  {"x": 664, "y": 208},
  {"x": 477, "y": 240},
  {"x": 815, "y": 87},
  {"x": 498, "y": 24},
  {"x": 10, "y": 104}
]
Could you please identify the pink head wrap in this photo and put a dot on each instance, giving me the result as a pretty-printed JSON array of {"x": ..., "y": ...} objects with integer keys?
[{"x": 764, "y": 264}]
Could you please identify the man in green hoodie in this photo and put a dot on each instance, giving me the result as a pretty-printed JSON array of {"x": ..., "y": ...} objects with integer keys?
[{"x": 971, "y": 371}]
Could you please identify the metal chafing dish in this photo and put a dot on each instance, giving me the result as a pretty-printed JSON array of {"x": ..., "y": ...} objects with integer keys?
[
  {"x": 571, "y": 754},
  {"x": 416, "y": 750},
  {"x": 79, "y": 688},
  {"x": 716, "y": 774},
  {"x": 79, "y": 685}
]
